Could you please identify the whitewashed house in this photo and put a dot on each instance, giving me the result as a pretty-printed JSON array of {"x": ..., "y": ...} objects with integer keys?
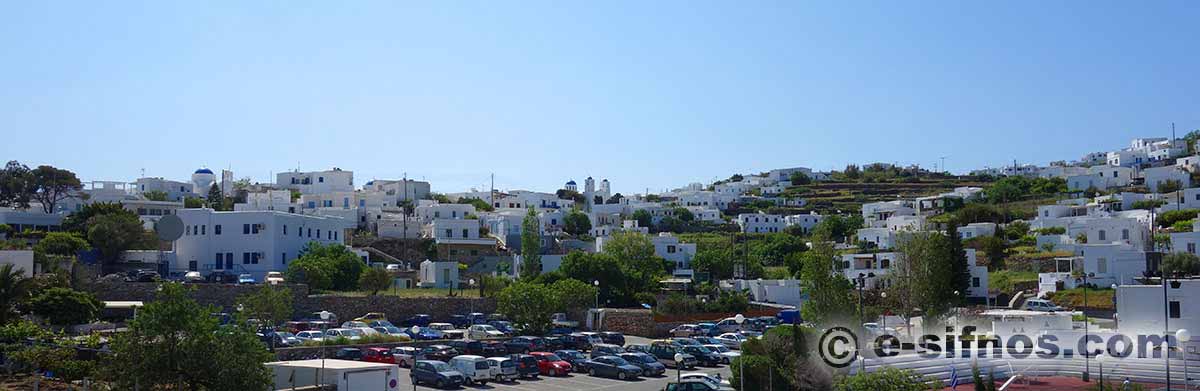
[
  {"x": 880, "y": 237},
  {"x": 253, "y": 242},
  {"x": 316, "y": 182},
  {"x": 1157, "y": 176},
  {"x": 1127, "y": 158},
  {"x": 1142, "y": 308},
  {"x": 785, "y": 174},
  {"x": 402, "y": 189},
  {"x": 430, "y": 212},
  {"x": 761, "y": 222},
  {"x": 670, "y": 248},
  {"x": 280, "y": 200},
  {"x": 877, "y": 270},
  {"x": 1189, "y": 163},
  {"x": 438, "y": 275},
  {"x": 876, "y": 214},
  {"x": 806, "y": 222},
  {"x": 175, "y": 190},
  {"x": 975, "y": 230},
  {"x": 1101, "y": 177}
]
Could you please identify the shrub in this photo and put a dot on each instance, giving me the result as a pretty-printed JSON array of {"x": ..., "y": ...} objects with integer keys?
[
  {"x": 1169, "y": 218},
  {"x": 63, "y": 306},
  {"x": 1147, "y": 204},
  {"x": 1182, "y": 226},
  {"x": 888, "y": 379}
]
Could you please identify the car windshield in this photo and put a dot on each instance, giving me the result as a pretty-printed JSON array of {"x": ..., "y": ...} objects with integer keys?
[
  {"x": 718, "y": 348},
  {"x": 442, "y": 327},
  {"x": 440, "y": 366},
  {"x": 285, "y": 334},
  {"x": 694, "y": 348},
  {"x": 352, "y": 333},
  {"x": 552, "y": 357},
  {"x": 618, "y": 361}
]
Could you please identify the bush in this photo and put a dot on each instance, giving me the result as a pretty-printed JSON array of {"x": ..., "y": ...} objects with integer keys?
[
  {"x": 1182, "y": 226},
  {"x": 63, "y": 306},
  {"x": 1169, "y": 218},
  {"x": 893, "y": 379},
  {"x": 759, "y": 372},
  {"x": 1147, "y": 204},
  {"x": 1051, "y": 231}
]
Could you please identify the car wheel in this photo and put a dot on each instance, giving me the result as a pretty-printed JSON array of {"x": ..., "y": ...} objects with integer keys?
[
  {"x": 592, "y": 372},
  {"x": 621, "y": 375}
]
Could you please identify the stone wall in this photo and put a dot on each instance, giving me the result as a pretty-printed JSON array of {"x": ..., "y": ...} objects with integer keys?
[
  {"x": 225, "y": 296},
  {"x": 639, "y": 322}
]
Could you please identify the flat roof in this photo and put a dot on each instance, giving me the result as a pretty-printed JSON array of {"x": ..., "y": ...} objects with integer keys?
[
  {"x": 330, "y": 364},
  {"x": 123, "y": 304}
]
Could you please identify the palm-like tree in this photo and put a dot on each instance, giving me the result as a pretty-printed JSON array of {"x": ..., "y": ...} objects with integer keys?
[{"x": 14, "y": 286}]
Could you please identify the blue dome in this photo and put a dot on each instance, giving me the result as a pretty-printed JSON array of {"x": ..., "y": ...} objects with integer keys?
[
  {"x": 204, "y": 171},
  {"x": 570, "y": 182}
]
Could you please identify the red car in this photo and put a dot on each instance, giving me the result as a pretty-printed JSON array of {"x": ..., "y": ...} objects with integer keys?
[
  {"x": 383, "y": 355},
  {"x": 550, "y": 364}
]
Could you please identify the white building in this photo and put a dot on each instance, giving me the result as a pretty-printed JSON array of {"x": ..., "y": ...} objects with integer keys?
[
  {"x": 428, "y": 213},
  {"x": 1127, "y": 158},
  {"x": 1157, "y": 176},
  {"x": 176, "y": 191},
  {"x": 402, "y": 190},
  {"x": 398, "y": 227},
  {"x": 1142, "y": 308},
  {"x": 786, "y": 292},
  {"x": 670, "y": 248},
  {"x": 876, "y": 270},
  {"x": 761, "y": 223},
  {"x": 880, "y": 237},
  {"x": 450, "y": 229},
  {"x": 254, "y": 242},
  {"x": 975, "y": 230},
  {"x": 203, "y": 180},
  {"x": 785, "y": 174},
  {"x": 806, "y": 222},
  {"x": 280, "y": 200},
  {"x": 1101, "y": 177},
  {"x": 875, "y": 214},
  {"x": 438, "y": 275},
  {"x": 316, "y": 182}
]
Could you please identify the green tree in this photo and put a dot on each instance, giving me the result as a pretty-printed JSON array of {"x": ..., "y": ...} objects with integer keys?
[
  {"x": 56, "y": 246},
  {"x": 838, "y": 227},
  {"x": 477, "y": 203},
  {"x": 78, "y": 222},
  {"x": 531, "y": 245},
  {"x": 1170, "y": 217},
  {"x": 830, "y": 294},
  {"x": 1016, "y": 230},
  {"x": 14, "y": 287},
  {"x": 333, "y": 260},
  {"x": 193, "y": 203},
  {"x": 1169, "y": 186},
  {"x": 216, "y": 198},
  {"x": 635, "y": 253},
  {"x": 63, "y": 306},
  {"x": 270, "y": 304},
  {"x": 53, "y": 185},
  {"x": 15, "y": 185},
  {"x": 572, "y": 295},
  {"x": 528, "y": 305},
  {"x": 115, "y": 233},
  {"x": 155, "y": 195},
  {"x": 956, "y": 256},
  {"x": 799, "y": 179},
  {"x": 577, "y": 223},
  {"x": 775, "y": 247},
  {"x": 374, "y": 280},
  {"x": 930, "y": 271},
  {"x": 604, "y": 268},
  {"x": 891, "y": 379},
  {"x": 716, "y": 262},
  {"x": 684, "y": 214},
  {"x": 643, "y": 218},
  {"x": 175, "y": 343},
  {"x": 1181, "y": 264},
  {"x": 1007, "y": 189},
  {"x": 316, "y": 272}
]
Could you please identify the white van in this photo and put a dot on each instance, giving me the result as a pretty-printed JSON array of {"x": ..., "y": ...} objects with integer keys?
[{"x": 475, "y": 369}]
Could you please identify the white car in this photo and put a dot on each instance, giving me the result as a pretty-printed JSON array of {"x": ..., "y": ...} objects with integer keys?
[
  {"x": 273, "y": 278},
  {"x": 726, "y": 354},
  {"x": 360, "y": 326},
  {"x": 717, "y": 382},
  {"x": 475, "y": 369},
  {"x": 311, "y": 335},
  {"x": 193, "y": 277},
  {"x": 393, "y": 267},
  {"x": 483, "y": 331},
  {"x": 732, "y": 340},
  {"x": 1041, "y": 305},
  {"x": 448, "y": 330},
  {"x": 350, "y": 334},
  {"x": 878, "y": 331},
  {"x": 405, "y": 355}
]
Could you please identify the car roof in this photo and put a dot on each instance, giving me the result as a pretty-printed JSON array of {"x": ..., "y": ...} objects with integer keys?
[{"x": 380, "y": 349}]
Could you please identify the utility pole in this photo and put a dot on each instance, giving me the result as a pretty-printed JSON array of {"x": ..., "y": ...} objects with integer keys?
[{"x": 492, "y": 193}]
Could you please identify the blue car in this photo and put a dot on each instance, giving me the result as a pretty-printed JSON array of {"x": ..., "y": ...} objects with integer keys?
[
  {"x": 650, "y": 365},
  {"x": 503, "y": 325},
  {"x": 425, "y": 334},
  {"x": 436, "y": 373},
  {"x": 613, "y": 366}
]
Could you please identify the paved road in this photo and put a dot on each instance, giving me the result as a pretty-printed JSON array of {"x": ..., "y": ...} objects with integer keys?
[{"x": 581, "y": 381}]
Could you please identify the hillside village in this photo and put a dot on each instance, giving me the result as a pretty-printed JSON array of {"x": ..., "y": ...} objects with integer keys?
[{"x": 882, "y": 243}]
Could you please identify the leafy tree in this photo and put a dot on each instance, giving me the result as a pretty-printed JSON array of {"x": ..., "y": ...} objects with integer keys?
[
  {"x": 684, "y": 214},
  {"x": 1170, "y": 217},
  {"x": 175, "y": 343},
  {"x": 15, "y": 185},
  {"x": 851, "y": 172},
  {"x": 14, "y": 287},
  {"x": 216, "y": 198},
  {"x": 528, "y": 305},
  {"x": 603, "y": 268},
  {"x": 643, "y": 217},
  {"x": 572, "y": 295},
  {"x": 960, "y": 278},
  {"x": 1169, "y": 186},
  {"x": 615, "y": 199},
  {"x": 838, "y": 227},
  {"x": 51, "y": 185},
  {"x": 799, "y": 179},
  {"x": 114, "y": 233},
  {"x": 635, "y": 253},
  {"x": 1181, "y": 264},
  {"x": 61, "y": 244},
  {"x": 316, "y": 272},
  {"x": 477, "y": 203},
  {"x": 155, "y": 195},
  {"x": 374, "y": 280},
  {"x": 1182, "y": 226},
  {"x": 981, "y": 213},
  {"x": 992, "y": 247},
  {"x": 564, "y": 194},
  {"x": 78, "y": 222},
  {"x": 1007, "y": 189},
  {"x": 531, "y": 245},
  {"x": 61, "y": 361},
  {"x": 193, "y": 203},
  {"x": 63, "y": 306},
  {"x": 1016, "y": 230},
  {"x": 1147, "y": 204},
  {"x": 775, "y": 247},
  {"x": 270, "y": 304},
  {"x": 931, "y": 270},
  {"x": 830, "y": 294},
  {"x": 333, "y": 260},
  {"x": 577, "y": 223}
]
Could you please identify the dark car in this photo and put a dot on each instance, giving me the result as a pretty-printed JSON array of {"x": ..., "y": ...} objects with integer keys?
[
  {"x": 575, "y": 357},
  {"x": 665, "y": 353},
  {"x": 650, "y": 365},
  {"x": 273, "y": 338},
  {"x": 222, "y": 277},
  {"x": 146, "y": 276},
  {"x": 474, "y": 348},
  {"x": 527, "y": 366},
  {"x": 503, "y": 325},
  {"x": 553, "y": 343},
  {"x": 422, "y": 320},
  {"x": 437, "y": 373},
  {"x": 613, "y": 337},
  {"x": 459, "y": 321},
  {"x": 494, "y": 349},
  {"x": 704, "y": 355},
  {"x": 353, "y": 354},
  {"x": 525, "y": 344},
  {"x": 613, "y": 366},
  {"x": 706, "y": 340},
  {"x": 641, "y": 348},
  {"x": 576, "y": 341},
  {"x": 560, "y": 331},
  {"x": 604, "y": 349},
  {"x": 441, "y": 353}
]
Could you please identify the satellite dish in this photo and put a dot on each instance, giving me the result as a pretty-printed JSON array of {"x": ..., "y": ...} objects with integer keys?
[{"x": 169, "y": 228}]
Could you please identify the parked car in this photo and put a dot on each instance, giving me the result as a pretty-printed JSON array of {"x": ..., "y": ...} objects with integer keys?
[
  {"x": 245, "y": 279},
  {"x": 727, "y": 354},
  {"x": 716, "y": 381},
  {"x": 193, "y": 277},
  {"x": 613, "y": 366},
  {"x": 686, "y": 341},
  {"x": 664, "y": 352},
  {"x": 729, "y": 325},
  {"x": 708, "y": 329},
  {"x": 424, "y": 334},
  {"x": 448, "y": 330},
  {"x": 692, "y": 385},
  {"x": 373, "y": 317},
  {"x": 278, "y": 338},
  {"x": 650, "y": 365},
  {"x": 468, "y": 347},
  {"x": 732, "y": 340},
  {"x": 526, "y": 365},
  {"x": 273, "y": 278},
  {"x": 330, "y": 317},
  {"x": 391, "y": 330},
  {"x": 503, "y": 368},
  {"x": 704, "y": 356},
  {"x": 483, "y": 331},
  {"x": 525, "y": 344},
  {"x": 438, "y": 373},
  {"x": 360, "y": 326},
  {"x": 576, "y": 341},
  {"x": 353, "y": 354},
  {"x": 441, "y": 353},
  {"x": 560, "y": 319},
  {"x": 311, "y": 335},
  {"x": 459, "y": 321},
  {"x": 706, "y": 340},
  {"x": 613, "y": 337},
  {"x": 685, "y": 330},
  {"x": 574, "y": 357},
  {"x": 383, "y": 355},
  {"x": 416, "y": 320},
  {"x": 405, "y": 356},
  {"x": 604, "y": 349},
  {"x": 641, "y": 348},
  {"x": 222, "y": 277},
  {"x": 503, "y": 325},
  {"x": 350, "y": 334},
  {"x": 1041, "y": 305},
  {"x": 550, "y": 364},
  {"x": 553, "y": 343},
  {"x": 146, "y": 276},
  {"x": 494, "y": 349},
  {"x": 392, "y": 267},
  {"x": 475, "y": 369},
  {"x": 876, "y": 330}
]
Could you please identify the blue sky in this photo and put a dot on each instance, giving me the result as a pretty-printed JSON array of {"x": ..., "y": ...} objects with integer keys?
[{"x": 648, "y": 94}]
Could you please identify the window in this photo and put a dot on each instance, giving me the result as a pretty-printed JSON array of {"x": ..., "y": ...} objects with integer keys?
[
  {"x": 454, "y": 214},
  {"x": 229, "y": 260},
  {"x": 335, "y": 235},
  {"x": 453, "y": 252},
  {"x": 1101, "y": 265},
  {"x": 192, "y": 266},
  {"x": 1101, "y": 235},
  {"x": 670, "y": 249},
  {"x": 1191, "y": 248},
  {"x": 449, "y": 233},
  {"x": 437, "y": 214},
  {"x": 1125, "y": 234},
  {"x": 254, "y": 228},
  {"x": 204, "y": 230},
  {"x": 320, "y": 179},
  {"x": 474, "y": 252},
  {"x": 220, "y": 262},
  {"x": 465, "y": 233},
  {"x": 217, "y": 229},
  {"x": 318, "y": 233},
  {"x": 285, "y": 229},
  {"x": 1174, "y": 309},
  {"x": 309, "y": 232},
  {"x": 254, "y": 258},
  {"x": 245, "y": 258},
  {"x": 283, "y": 258},
  {"x": 245, "y": 229}
]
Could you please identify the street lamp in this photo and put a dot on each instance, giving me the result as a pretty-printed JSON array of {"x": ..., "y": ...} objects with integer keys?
[
  {"x": 471, "y": 282},
  {"x": 1116, "y": 318},
  {"x": 883, "y": 325},
  {"x": 596, "y": 283},
  {"x": 678, "y": 365},
  {"x": 741, "y": 363},
  {"x": 1183, "y": 335}
]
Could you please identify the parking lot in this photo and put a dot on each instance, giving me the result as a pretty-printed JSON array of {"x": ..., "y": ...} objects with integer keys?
[{"x": 581, "y": 381}]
